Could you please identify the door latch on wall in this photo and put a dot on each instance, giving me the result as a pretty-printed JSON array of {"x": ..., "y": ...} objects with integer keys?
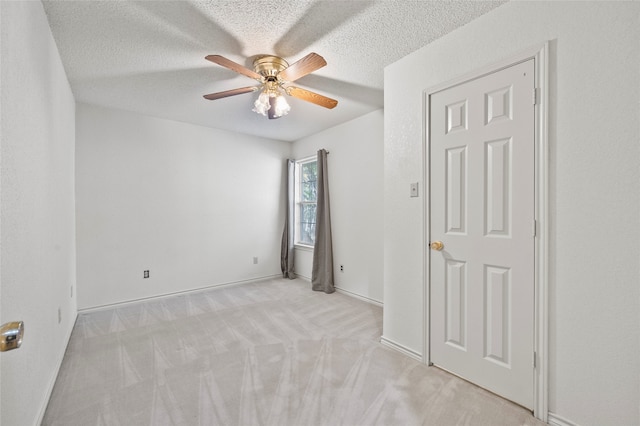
[{"x": 413, "y": 189}]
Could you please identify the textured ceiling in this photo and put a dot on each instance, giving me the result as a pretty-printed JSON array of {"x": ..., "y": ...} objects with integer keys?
[{"x": 148, "y": 56}]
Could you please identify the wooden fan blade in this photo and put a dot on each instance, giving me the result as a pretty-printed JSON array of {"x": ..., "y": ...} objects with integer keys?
[
  {"x": 312, "y": 97},
  {"x": 304, "y": 66},
  {"x": 233, "y": 92},
  {"x": 233, "y": 66}
]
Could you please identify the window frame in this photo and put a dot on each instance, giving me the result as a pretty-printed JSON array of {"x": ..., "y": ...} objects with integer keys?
[{"x": 298, "y": 201}]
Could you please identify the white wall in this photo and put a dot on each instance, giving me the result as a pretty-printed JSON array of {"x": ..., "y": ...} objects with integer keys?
[
  {"x": 355, "y": 184},
  {"x": 594, "y": 191},
  {"x": 192, "y": 205},
  {"x": 37, "y": 209}
]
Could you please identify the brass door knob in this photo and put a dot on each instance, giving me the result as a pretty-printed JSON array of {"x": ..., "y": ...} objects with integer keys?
[
  {"x": 11, "y": 335},
  {"x": 437, "y": 245}
]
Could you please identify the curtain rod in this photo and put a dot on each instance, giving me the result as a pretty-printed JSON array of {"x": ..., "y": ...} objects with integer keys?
[{"x": 300, "y": 159}]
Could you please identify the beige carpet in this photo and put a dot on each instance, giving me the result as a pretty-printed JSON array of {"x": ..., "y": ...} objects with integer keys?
[{"x": 267, "y": 353}]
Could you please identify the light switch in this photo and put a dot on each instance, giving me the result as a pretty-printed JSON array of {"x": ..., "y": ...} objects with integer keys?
[{"x": 414, "y": 189}]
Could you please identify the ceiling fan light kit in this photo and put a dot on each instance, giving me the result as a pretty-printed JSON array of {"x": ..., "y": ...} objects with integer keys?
[
  {"x": 271, "y": 103},
  {"x": 273, "y": 73}
]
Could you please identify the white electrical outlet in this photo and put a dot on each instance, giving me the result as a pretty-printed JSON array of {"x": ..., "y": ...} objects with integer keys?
[{"x": 255, "y": 260}]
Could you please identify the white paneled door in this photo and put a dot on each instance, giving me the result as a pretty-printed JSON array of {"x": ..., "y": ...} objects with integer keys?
[{"x": 482, "y": 231}]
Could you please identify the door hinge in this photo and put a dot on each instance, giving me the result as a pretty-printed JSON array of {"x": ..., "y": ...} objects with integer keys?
[
  {"x": 535, "y": 227},
  {"x": 536, "y": 96},
  {"x": 535, "y": 356}
]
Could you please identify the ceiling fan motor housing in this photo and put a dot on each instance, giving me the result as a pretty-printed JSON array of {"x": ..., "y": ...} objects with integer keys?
[{"x": 269, "y": 66}]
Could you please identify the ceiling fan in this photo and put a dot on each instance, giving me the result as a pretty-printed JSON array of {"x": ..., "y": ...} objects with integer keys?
[{"x": 274, "y": 74}]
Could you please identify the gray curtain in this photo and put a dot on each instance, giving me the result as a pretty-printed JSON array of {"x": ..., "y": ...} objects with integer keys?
[
  {"x": 322, "y": 269},
  {"x": 286, "y": 249}
]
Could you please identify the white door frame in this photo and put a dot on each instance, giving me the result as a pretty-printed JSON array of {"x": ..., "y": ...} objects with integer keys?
[{"x": 540, "y": 54}]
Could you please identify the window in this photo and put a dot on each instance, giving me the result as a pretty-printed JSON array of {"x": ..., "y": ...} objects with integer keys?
[{"x": 306, "y": 197}]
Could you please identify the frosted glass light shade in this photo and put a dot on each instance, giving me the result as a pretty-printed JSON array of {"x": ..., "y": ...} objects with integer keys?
[{"x": 278, "y": 103}]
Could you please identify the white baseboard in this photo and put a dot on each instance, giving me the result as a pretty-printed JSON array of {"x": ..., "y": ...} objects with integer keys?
[
  {"x": 308, "y": 279},
  {"x": 177, "y": 293},
  {"x": 348, "y": 293},
  {"x": 359, "y": 297},
  {"x": 54, "y": 377},
  {"x": 401, "y": 348},
  {"x": 556, "y": 420}
]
